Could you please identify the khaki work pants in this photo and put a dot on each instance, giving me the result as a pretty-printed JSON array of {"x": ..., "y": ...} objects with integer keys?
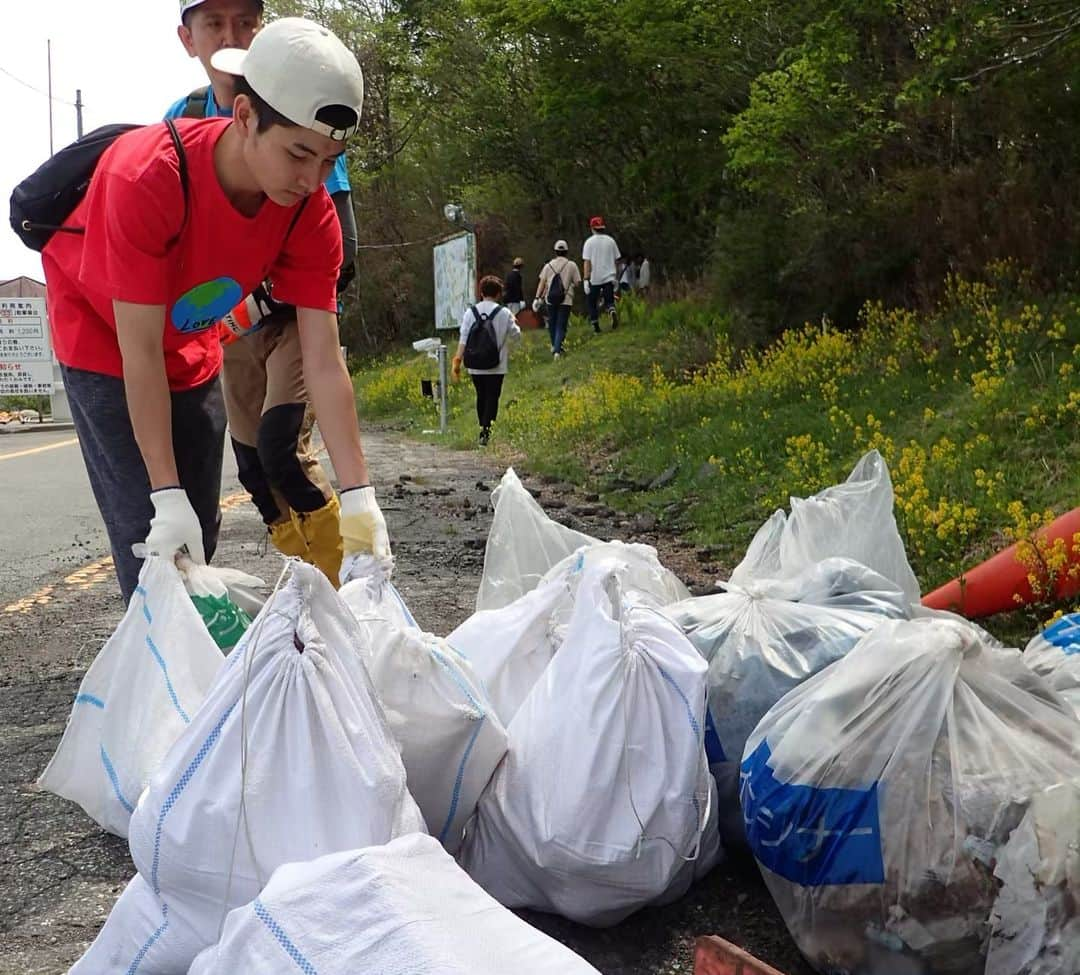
[{"x": 270, "y": 423}]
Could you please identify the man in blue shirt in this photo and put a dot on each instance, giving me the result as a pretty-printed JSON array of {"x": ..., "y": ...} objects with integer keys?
[{"x": 270, "y": 420}]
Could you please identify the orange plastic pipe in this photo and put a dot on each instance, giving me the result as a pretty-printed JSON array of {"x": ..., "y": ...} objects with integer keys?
[{"x": 1001, "y": 583}]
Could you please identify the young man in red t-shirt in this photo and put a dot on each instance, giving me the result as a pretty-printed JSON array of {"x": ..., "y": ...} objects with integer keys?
[{"x": 135, "y": 302}]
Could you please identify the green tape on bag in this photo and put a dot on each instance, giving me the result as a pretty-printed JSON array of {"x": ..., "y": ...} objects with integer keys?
[{"x": 226, "y": 621}]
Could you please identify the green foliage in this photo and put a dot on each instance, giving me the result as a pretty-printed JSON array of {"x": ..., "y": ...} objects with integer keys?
[{"x": 797, "y": 158}]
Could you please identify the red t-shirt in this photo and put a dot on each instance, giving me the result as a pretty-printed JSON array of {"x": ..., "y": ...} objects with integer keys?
[{"x": 133, "y": 208}]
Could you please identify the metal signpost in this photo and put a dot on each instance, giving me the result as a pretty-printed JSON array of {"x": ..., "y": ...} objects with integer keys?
[{"x": 27, "y": 367}]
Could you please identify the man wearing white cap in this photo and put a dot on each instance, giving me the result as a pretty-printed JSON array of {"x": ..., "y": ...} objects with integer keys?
[
  {"x": 556, "y": 289},
  {"x": 270, "y": 418},
  {"x": 172, "y": 242}
]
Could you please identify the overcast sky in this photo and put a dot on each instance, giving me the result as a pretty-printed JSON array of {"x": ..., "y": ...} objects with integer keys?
[{"x": 123, "y": 54}]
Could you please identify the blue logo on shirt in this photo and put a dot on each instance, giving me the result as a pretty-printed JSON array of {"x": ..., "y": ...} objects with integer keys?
[
  {"x": 810, "y": 836},
  {"x": 205, "y": 305}
]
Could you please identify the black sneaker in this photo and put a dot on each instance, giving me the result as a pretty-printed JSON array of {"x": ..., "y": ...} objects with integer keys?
[
  {"x": 596, "y": 327},
  {"x": 485, "y": 436}
]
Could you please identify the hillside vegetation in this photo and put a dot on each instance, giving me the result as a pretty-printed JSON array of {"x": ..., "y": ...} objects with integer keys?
[{"x": 975, "y": 406}]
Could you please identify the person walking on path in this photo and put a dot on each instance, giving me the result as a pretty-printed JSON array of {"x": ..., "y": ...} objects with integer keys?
[
  {"x": 556, "y": 289},
  {"x": 490, "y": 315},
  {"x": 270, "y": 418},
  {"x": 514, "y": 292},
  {"x": 628, "y": 277},
  {"x": 644, "y": 275},
  {"x": 175, "y": 234},
  {"x": 600, "y": 256}
]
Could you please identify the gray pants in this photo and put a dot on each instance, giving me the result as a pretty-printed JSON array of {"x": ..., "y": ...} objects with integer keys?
[{"x": 116, "y": 469}]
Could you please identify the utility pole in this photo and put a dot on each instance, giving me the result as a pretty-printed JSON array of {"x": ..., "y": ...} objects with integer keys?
[
  {"x": 48, "y": 48},
  {"x": 78, "y": 112}
]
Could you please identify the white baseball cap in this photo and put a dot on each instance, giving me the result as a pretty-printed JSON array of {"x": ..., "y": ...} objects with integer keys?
[
  {"x": 560, "y": 245},
  {"x": 299, "y": 68},
  {"x": 186, "y": 5}
]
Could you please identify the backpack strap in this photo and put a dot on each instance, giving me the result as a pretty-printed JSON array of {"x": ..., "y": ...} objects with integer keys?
[
  {"x": 477, "y": 317},
  {"x": 197, "y": 103},
  {"x": 181, "y": 158}
]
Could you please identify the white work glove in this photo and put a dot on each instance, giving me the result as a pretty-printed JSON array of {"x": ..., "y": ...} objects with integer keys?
[
  {"x": 363, "y": 528},
  {"x": 537, "y": 305},
  {"x": 175, "y": 527},
  {"x": 585, "y": 285}
]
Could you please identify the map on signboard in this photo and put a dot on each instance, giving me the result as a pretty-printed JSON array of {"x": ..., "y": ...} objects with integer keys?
[
  {"x": 455, "y": 279},
  {"x": 26, "y": 366}
]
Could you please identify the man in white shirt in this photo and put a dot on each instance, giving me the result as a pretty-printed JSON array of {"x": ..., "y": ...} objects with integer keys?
[
  {"x": 488, "y": 381},
  {"x": 600, "y": 256},
  {"x": 644, "y": 274}
]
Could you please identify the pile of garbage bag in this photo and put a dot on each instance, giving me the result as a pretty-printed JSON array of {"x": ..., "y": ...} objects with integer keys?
[
  {"x": 289, "y": 757},
  {"x": 878, "y": 795}
]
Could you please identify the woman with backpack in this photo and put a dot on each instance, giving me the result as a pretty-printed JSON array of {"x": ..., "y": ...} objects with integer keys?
[
  {"x": 556, "y": 288},
  {"x": 487, "y": 331}
]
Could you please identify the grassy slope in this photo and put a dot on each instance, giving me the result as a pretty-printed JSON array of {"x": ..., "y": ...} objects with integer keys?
[{"x": 977, "y": 410}]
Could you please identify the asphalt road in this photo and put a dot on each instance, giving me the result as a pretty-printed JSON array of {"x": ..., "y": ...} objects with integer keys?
[{"x": 60, "y": 874}]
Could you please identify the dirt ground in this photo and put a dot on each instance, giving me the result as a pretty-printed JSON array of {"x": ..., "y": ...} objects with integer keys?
[{"x": 60, "y": 874}]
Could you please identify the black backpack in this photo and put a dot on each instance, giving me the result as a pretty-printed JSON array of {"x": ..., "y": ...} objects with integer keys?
[
  {"x": 46, "y": 198},
  {"x": 482, "y": 345},
  {"x": 556, "y": 292}
]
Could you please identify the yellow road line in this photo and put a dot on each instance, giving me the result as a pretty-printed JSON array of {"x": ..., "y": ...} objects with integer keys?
[
  {"x": 93, "y": 573},
  {"x": 38, "y": 450}
]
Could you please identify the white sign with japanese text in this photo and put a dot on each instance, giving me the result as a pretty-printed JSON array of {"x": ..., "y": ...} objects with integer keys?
[
  {"x": 26, "y": 363},
  {"x": 455, "y": 279}
]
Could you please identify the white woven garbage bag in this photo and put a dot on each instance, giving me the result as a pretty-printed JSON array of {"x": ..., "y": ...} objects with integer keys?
[
  {"x": 289, "y": 758},
  {"x": 138, "y": 696},
  {"x": 853, "y": 520},
  {"x": 523, "y": 543},
  {"x": 604, "y": 803},
  {"x": 367, "y": 590},
  {"x": 878, "y": 794},
  {"x": 510, "y": 647},
  {"x": 401, "y": 909},
  {"x": 1055, "y": 655},
  {"x": 450, "y": 736}
]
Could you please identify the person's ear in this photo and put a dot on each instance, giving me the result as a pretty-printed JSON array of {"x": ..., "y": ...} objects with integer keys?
[
  {"x": 244, "y": 115},
  {"x": 187, "y": 40}
]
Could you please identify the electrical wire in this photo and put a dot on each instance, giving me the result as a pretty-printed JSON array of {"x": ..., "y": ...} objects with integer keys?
[{"x": 44, "y": 94}]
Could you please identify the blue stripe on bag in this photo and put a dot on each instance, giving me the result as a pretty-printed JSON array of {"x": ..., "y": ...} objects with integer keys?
[
  {"x": 96, "y": 702},
  {"x": 812, "y": 837},
  {"x": 115, "y": 780},
  {"x": 157, "y": 656},
  {"x": 150, "y": 942},
  {"x": 456, "y": 797},
  {"x": 282, "y": 938}
]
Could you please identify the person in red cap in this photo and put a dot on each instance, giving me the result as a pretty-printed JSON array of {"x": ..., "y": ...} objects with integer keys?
[{"x": 600, "y": 255}]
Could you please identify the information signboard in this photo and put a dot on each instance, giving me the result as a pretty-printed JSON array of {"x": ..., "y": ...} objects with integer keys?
[
  {"x": 455, "y": 279},
  {"x": 26, "y": 362}
]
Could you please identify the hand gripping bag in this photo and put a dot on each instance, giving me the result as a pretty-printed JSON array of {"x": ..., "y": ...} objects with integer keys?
[
  {"x": 1036, "y": 918},
  {"x": 852, "y": 520},
  {"x": 289, "y": 758},
  {"x": 450, "y": 736},
  {"x": 604, "y": 803},
  {"x": 140, "y": 693},
  {"x": 1055, "y": 655},
  {"x": 397, "y": 909},
  {"x": 523, "y": 543},
  {"x": 877, "y": 795},
  {"x": 367, "y": 590}
]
